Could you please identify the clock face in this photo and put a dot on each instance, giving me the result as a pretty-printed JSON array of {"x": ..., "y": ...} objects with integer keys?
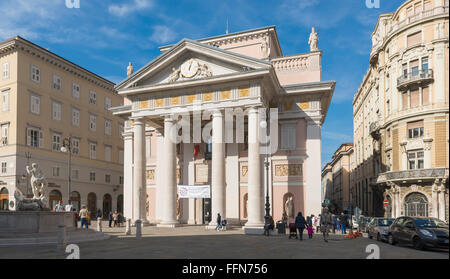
[{"x": 189, "y": 68}]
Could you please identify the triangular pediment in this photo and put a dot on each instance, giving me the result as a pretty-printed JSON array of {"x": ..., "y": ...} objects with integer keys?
[{"x": 190, "y": 60}]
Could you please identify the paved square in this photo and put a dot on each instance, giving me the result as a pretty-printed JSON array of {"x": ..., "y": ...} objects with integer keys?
[{"x": 194, "y": 242}]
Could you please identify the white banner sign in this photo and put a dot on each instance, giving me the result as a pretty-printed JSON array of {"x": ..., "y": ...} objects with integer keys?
[{"x": 194, "y": 192}]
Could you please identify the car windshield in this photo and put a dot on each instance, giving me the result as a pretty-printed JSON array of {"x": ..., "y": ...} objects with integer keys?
[
  {"x": 430, "y": 223},
  {"x": 385, "y": 222}
]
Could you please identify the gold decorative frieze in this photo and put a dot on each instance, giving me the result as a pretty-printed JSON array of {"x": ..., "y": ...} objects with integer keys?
[
  {"x": 143, "y": 104},
  {"x": 304, "y": 105},
  {"x": 159, "y": 102},
  {"x": 191, "y": 98},
  {"x": 225, "y": 95},
  {"x": 175, "y": 101},
  {"x": 150, "y": 174},
  {"x": 244, "y": 172},
  {"x": 207, "y": 97},
  {"x": 289, "y": 170},
  {"x": 244, "y": 92}
]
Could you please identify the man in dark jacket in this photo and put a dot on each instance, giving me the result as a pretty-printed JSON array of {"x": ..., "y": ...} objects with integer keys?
[
  {"x": 300, "y": 223},
  {"x": 343, "y": 218},
  {"x": 219, "y": 222},
  {"x": 110, "y": 218}
]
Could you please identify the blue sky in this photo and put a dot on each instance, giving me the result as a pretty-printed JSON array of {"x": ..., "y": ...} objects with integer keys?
[{"x": 103, "y": 36}]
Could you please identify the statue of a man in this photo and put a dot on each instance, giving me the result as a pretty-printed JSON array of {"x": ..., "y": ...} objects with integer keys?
[
  {"x": 313, "y": 40},
  {"x": 265, "y": 47},
  {"x": 289, "y": 207},
  {"x": 130, "y": 69},
  {"x": 175, "y": 75},
  {"x": 38, "y": 181}
]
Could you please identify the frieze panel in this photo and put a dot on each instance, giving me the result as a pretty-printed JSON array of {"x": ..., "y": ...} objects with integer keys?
[{"x": 288, "y": 170}]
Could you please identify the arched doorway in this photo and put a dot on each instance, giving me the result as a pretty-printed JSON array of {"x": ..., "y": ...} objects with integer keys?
[
  {"x": 107, "y": 205},
  {"x": 92, "y": 205},
  {"x": 389, "y": 207},
  {"x": 75, "y": 200},
  {"x": 4, "y": 199},
  {"x": 54, "y": 197},
  {"x": 416, "y": 205},
  {"x": 120, "y": 204}
]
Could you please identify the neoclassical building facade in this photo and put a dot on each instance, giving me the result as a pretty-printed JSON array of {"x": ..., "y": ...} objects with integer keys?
[
  {"x": 204, "y": 79},
  {"x": 401, "y": 114}
]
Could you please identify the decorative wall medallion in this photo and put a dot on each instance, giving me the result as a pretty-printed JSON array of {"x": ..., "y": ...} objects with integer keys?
[
  {"x": 244, "y": 171},
  {"x": 207, "y": 97},
  {"x": 159, "y": 102},
  {"x": 288, "y": 170},
  {"x": 150, "y": 174}
]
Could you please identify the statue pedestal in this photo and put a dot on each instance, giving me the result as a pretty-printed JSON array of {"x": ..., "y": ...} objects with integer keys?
[{"x": 30, "y": 222}]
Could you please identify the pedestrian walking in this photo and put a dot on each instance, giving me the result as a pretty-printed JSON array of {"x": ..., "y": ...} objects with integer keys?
[
  {"x": 325, "y": 223},
  {"x": 334, "y": 220},
  {"x": 219, "y": 222},
  {"x": 300, "y": 223},
  {"x": 343, "y": 222},
  {"x": 75, "y": 217},
  {"x": 317, "y": 224},
  {"x": 110, "y": 218},
  {"x": 309, "y": 220},
  {"x": 116, "y": 218},
  {"x": 310, "y": 230},
  {"x": 269, "y": 226},
  {"x": 119, "y": 218},
  {"x": 84, "y": 215}
]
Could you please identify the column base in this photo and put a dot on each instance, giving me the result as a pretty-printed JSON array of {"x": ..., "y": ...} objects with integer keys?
[
  {"x": 172, "y": 224},
  {"x": 253, "y": 230},
  {"x": 191, "y": 222}
]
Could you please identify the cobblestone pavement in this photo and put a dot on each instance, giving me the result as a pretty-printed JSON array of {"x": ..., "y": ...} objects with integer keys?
[{"x": 195, "y": 242}]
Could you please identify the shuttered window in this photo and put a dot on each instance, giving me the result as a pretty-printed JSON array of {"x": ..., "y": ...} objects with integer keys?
[
  {"x": 414, "y": 39},
  {"x": 288, "y": 136}
]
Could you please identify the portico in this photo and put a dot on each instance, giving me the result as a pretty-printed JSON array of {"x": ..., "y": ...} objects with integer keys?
[{"x": 194, "y": 117}]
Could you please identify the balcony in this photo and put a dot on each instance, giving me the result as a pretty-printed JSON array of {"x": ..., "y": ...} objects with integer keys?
[
  {"x": 419, "y": 16},
  {"x": 374, "y": 130},
  {"x": 414, "y": 78},
  {"x": 412, "y": 175}
]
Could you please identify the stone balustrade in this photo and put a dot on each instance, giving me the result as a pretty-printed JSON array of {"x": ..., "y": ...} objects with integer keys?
[{"x": 297, "y": 62}]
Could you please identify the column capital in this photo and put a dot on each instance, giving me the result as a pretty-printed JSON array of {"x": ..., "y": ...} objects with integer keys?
[
  {"x": 127, "y": 135},
  {"x": 138, "y": 120}
]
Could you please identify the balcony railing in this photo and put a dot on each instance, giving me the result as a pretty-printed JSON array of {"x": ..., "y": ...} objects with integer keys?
[
  {"x": 419, "y": 16},
  {"x": 415, "y": 77},
  {"x": 406, "y": 175}
]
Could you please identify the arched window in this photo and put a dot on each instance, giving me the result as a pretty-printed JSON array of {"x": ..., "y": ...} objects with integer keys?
[
  {"x": 4, "y": 198},
  {"x": 416, "y": 205},
  {"x": 75, "y": 200},
  {"x": 107, "y": 205},
  {"x": 54, "y": 197},
  {"x": 92, "y": 205}
]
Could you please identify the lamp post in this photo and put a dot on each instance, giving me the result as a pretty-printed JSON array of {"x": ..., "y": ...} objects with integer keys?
[
  {"x": 67, "y": 147},
  {"x": 263, "y": 125},
  {"x": 28, "y": 156}
]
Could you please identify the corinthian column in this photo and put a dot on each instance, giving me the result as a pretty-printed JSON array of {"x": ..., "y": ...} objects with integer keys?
[
  {"x": 442, "y": 202},
  {"x": 128, "y": 176},
  {"x": 255, "y": 187},
  {"x": 218, "y": 169},
  {"x": 139, "y": 196},
  {"x": 170, "y": 168}
]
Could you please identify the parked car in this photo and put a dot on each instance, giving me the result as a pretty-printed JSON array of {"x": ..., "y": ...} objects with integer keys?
[
  {"x": 364, "y": 223},
  {"x": 421, "y": 232},
  {"x": 379, "y": 228},
  {"x": 355, "y": 222}
]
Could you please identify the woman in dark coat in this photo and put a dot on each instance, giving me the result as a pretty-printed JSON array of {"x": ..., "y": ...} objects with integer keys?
[{"x": 300, "y": 223}]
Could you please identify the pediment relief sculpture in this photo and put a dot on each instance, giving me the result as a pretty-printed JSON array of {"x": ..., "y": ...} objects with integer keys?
[{"x": 190, "y": 69}]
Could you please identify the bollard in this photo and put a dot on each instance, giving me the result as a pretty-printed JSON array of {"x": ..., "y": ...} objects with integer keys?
[
  {"x": 61, "y": 244},
  {"x": 99, "y": 224},
  {"x": 128, "y": 227},
  {"x": 138, "y": 224}
]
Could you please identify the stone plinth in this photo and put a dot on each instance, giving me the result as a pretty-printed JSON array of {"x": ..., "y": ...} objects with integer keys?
[{"x": 29, "y": 222}]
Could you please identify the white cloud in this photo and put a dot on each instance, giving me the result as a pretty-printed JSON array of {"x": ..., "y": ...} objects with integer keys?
[
  {"x": 162, "y": 34},
  {"x": 124, "y": 9}
]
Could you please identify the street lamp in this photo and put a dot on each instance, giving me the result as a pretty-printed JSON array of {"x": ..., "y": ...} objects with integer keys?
[
  {"x": 263, "y": 125},
  {"x": 67, "y": 147},
  {"x": 28, "y": 156}
]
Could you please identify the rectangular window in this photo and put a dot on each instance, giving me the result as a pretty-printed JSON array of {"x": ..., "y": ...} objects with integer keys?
[
  {"x": 35, "y": 74},
  {"x": 108, "y": 127},
  {"x": 57, "y": 84},
  {"x": 108, "y": 103},
  {"x": 120, "y": 156},
  {"x": 93, "y": 150},
  {"x": 415, "y": 160},
  {"x": 405, "y": 100},
  {"x": 415, "y": 129},
  {"x": 75, "y": 174},
  {"x": 56, "y": 111},
  {"x": 5, "y": 70},
  {"x": 35, "y": 104},
  {"x": 288, "y": 136},
  {"x": 5, "y": 100},
  {"x": 414, "y": 39},
  {"x": 75, "y": 146},
  {"x": 427, "y": 5},
  {"x": 425, "y": 96},
  {"x": 415, "y": 97},
  {"x": 92, "y": 98},
  {"x": 92, "y": 122},
  {"x": 107, "y": 178},
  {"x": 121, "y": 180},
  {"x": 405, "y": 70},
  {"x": 108, "y": 153},
  {"x": 76, "y": 117},
  {"x": 76, "y": 91},
  {"x": 425, "y": 64},
  {"x": 34, "y": 137},
  {"x": 92, "y": 176},
  {"x": 56, "y": 142},
  {"x": 4, "y": 129},
  {"x": 56, "y": 171},
  {"x": 414, "y": 65},
  {"x": 4, "y": 165}
]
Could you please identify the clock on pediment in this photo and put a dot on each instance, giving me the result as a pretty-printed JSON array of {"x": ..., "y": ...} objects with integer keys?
[{"x": 190, "y": 69}]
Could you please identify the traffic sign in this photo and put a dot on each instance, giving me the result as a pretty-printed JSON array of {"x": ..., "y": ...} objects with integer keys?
[{"x": 386, "y": 202}]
